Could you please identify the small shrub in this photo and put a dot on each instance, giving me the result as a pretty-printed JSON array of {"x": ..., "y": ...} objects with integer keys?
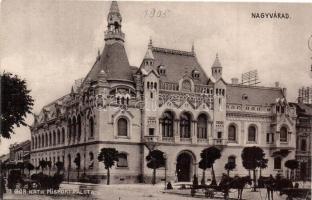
[{"x": 169, "y": 186}]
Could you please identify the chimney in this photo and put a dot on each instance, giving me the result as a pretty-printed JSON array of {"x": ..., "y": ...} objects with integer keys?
[
  {"x": 234, "y": 81},
  {"x": 277, "y": 84}
]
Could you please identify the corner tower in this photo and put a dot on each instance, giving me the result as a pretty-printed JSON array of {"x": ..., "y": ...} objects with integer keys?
[
  {"x": 216, "y": 69},
  {"x": 114, "y": 19}
]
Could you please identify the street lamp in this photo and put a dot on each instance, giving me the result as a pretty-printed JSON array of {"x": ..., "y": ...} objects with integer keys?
[{"x": 165, "y": 157}]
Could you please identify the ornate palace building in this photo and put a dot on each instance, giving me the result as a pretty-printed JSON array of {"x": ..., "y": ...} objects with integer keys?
[
  {"x": 303, "y": 138},
  {"x": 168, "y": 103}
]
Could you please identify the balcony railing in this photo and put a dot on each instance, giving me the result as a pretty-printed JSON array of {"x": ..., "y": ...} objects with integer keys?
[
  {"x": 219, "y": 141},
  {"x": 150, "y": 138},
  {"x": 168, "y": 139},
  {"x": 186, "y": 140},
  {"x": 202, "y": 140}
]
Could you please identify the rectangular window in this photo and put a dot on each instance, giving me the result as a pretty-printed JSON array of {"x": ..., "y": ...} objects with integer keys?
[
  {"x": 122, "y": 160},
  {"x": 268, "y": 137},
  {"x": 277, "y": 163},
  {"x": 219, "y": 135},
  {"x": 303, "y": 145},
  {"x": 150, "y": 131}
]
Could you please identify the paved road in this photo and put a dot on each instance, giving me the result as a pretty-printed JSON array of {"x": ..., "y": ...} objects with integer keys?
[{"x": 132, "y": 192}]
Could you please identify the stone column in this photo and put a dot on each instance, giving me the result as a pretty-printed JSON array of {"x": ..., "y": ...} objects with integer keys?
[
  {"x": 176, "y": 131},
  {"x": 194, "y": 132}
]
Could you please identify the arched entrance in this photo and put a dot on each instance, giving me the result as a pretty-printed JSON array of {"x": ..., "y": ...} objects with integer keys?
[{"x": 184, "y": 167}]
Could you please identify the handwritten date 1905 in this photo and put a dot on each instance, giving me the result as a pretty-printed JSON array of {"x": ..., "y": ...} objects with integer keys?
[{"x": 153, "y": 12}]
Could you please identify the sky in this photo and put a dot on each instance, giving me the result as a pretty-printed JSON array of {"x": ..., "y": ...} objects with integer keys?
[{"x": 52, "y": 43}]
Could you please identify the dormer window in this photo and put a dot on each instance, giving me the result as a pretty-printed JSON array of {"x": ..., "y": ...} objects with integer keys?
[
  {"x": 195, "y": 74},
  {"x": 162, "y": 70}
]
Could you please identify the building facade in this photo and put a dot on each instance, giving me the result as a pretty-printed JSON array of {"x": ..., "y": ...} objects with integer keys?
[
  {"x": 168, "y": 103},
  {"x": 303, "y": 144},
  {"x": 20, "y": 152},
  {"x": 305, "y": 94}
]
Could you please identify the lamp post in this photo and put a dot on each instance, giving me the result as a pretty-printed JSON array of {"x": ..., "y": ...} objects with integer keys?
[
  {"x": 1, "y": 182},
  {"x": 165, "y": 157}
]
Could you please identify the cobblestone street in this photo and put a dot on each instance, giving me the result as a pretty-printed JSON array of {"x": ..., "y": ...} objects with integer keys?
[{"x": 138, "y": 192}]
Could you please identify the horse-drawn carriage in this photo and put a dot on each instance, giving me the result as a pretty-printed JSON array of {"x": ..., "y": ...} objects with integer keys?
[
  {"x": 224, "y": 187},
  {"x": 297, "y": 193},
  {"x": 284, "y": 186}
]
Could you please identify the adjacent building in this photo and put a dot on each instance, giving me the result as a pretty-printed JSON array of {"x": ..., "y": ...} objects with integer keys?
[
  {"x": 19, "y": 152},
  {"x": 168, "y": 103},
  {"x": 305, "y": 94},
  {"x": 303, "y": 138}
]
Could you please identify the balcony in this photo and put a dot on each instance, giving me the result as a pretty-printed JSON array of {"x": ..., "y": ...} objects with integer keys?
[
  {"x": 186, "y": 140},
  {"x": 219, "y": 142},
  {"x": 202, "y": 140},
  {"x": 150, "y": 138},
  {"x": 167, "y": 139},
  {"x": 150, "y": 141}
]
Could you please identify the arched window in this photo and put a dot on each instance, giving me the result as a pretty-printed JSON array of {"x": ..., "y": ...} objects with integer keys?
[
  {"x": 58, "y": 137},
  {"x": 91, "y": 127},
  {"x": 50, "y": 138},
  {"x": 232, "y": 133},
  {"x": 91, "y": 156},
  {"x": 186, "y": 86},
  {"x": 78, "y": 128},
  {"x": 277, "y": 163},
  {"x": 69, "y": 161},
  {"x": 69, "y": 130},
  {"x": 185, "y": 125},
  {"x": 63, "y": 135},
  {"x": 283, "y": 134},
  {"x": 39, "y": 141},
  {"x": 54, "y": 138},
  {"x": 232, "y": 159},
  {"x": 74, "y": 129},
  {"x": 202, "y": 126},
  {"x": 167, "y": 124},
  {"x": 47, "y": 139},
  {"x": 42, "y": 140},
  {"x": 252, "y": 133},
  {"x": 122, "y": 127},
  {"x": 122, "y": 160}
]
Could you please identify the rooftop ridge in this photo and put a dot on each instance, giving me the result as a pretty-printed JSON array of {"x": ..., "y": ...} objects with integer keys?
[
  {"x": 173, "y": 51},
  {"x": 255, "y": 87}
]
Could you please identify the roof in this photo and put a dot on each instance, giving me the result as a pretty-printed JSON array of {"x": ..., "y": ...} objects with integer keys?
[
  {"x": 217, "y": 62},
  {"x": 114, "y": 7},
  {"x": 149, "y": 54},
  {"x": 178, "y": 64},
  {"x": 303, "y": 109},
  {"x": 114, "y": 61},
  {"x": 257, "y": 95}
]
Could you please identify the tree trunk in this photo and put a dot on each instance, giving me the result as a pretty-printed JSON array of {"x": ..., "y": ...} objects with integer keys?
[
  {"x": 260, "y": 173},
  {"x": 255, "y": 179},
  {"x": 203, "y": 181},
  {"x": 228, "y": 172},
  {"x": 78, "y": 175},
  {"x": 108, "y": 176},
  {"x": 49, "y": 171},
  {"x": 154, "y": 177},
  {"x": 249, "y": 173},
  {"x": 68, "y": 174},
  {"x": 213, "y": 182}
]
